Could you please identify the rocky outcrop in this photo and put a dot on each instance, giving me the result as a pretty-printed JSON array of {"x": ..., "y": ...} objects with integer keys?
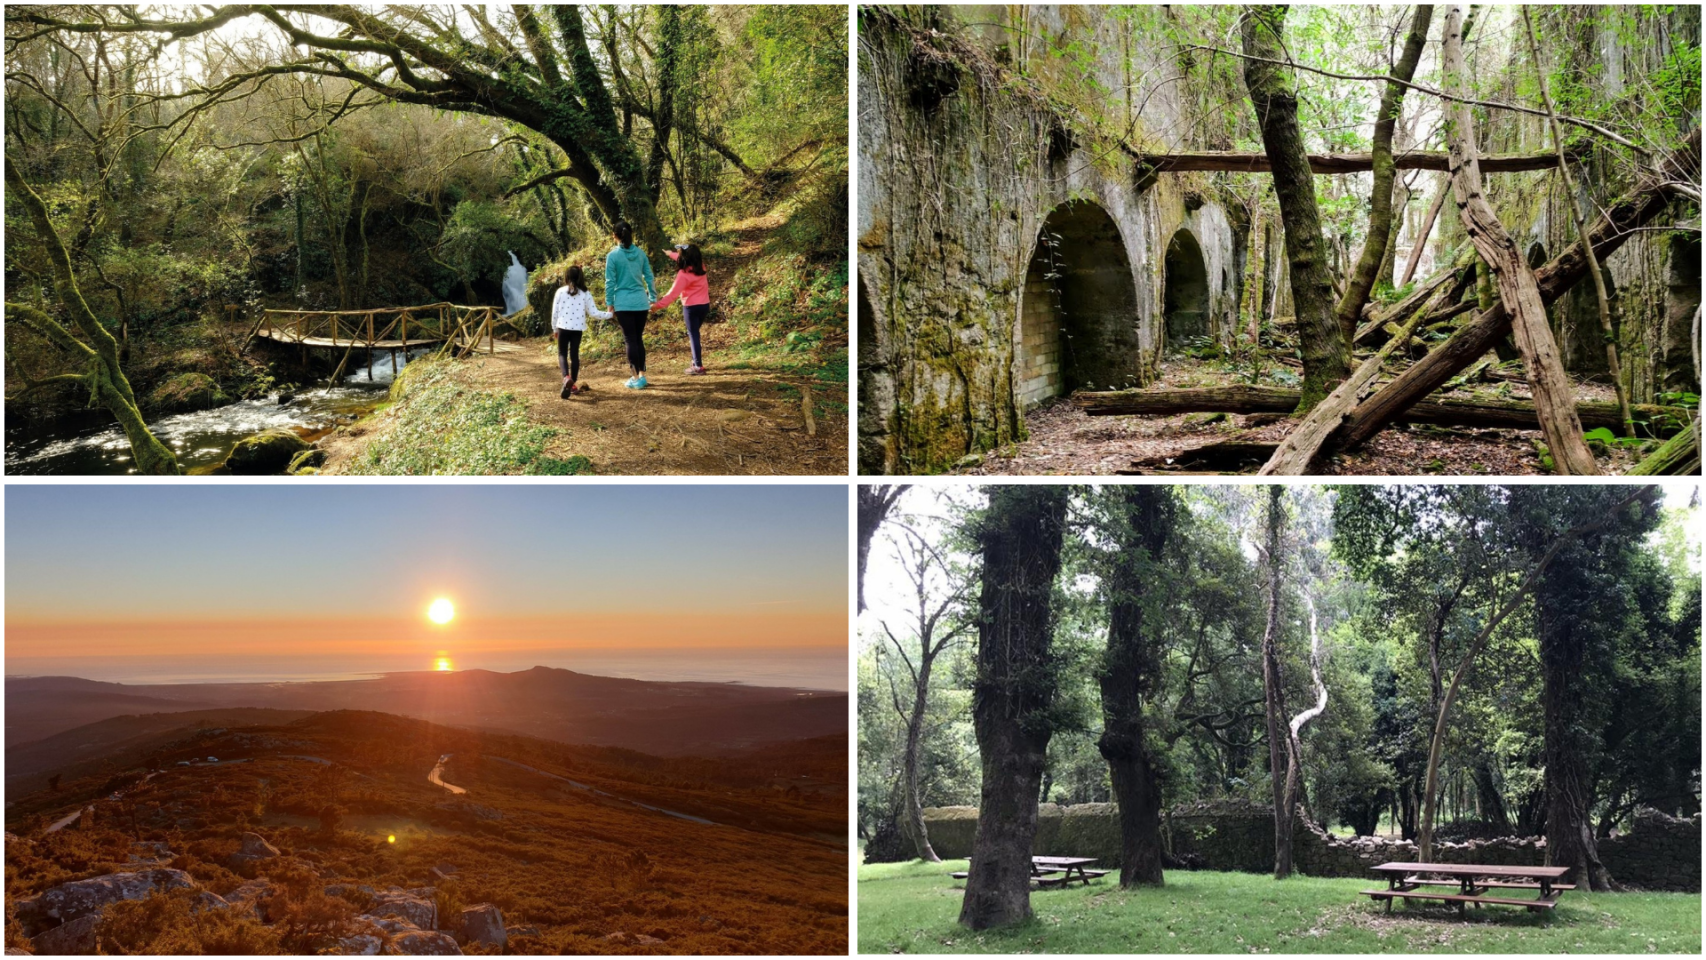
[
  {"x": 255, "y": 847},
  {"x": 265, "y": 453},
  {"x": 254, "y": 897},
  {"x": 411, "y": 906},
  {"x": 81, "y": 898},
  {"x": 422, "y": 943},
  {"x": 360, "y": 945},
  {"x": 483, "y": 923},
  {"x": 75, "y": 938}
]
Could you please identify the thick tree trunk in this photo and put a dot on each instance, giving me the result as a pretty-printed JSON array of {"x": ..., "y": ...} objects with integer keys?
[
  {"x": 1518, "y": 290},
  {"x": 1380, "y": 201},
  {"x": 1294, "y": 742},
  {"x": 1325, "y": 351},
  {"x": 1510, "y": 414},
  {"x": 1273, "y": 693},
  {"x": 1619, "y": 222},
  {"x": 1020, "y": 540},
  {"x": 1569, "y": 791},
  {"x": 1492, "y": 803},
  {"x": 1131, "y": 668}
]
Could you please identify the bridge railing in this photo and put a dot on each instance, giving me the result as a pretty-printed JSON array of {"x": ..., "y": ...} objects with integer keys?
[{"x": 461, "y": 329}]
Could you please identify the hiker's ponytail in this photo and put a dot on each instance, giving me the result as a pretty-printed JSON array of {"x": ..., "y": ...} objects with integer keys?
[{"x": 624, "y": 233}]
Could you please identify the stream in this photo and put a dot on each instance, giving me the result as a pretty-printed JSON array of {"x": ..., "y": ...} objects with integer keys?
[{"x": 95, "y": 446}]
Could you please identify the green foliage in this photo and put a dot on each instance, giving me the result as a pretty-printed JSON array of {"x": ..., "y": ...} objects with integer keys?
[{"x": 443, "y": 427}]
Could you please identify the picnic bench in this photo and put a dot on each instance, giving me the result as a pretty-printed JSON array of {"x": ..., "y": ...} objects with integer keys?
[
  {"x": 1055, "y": 871},
  {"x": 1473, "y": 881}
]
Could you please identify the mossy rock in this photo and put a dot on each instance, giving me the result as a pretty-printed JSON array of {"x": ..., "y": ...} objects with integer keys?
[
  {"x": 186, "y": 392},
  {"x": 265, "y": 453},
  {"x": 307, "y": 462}
]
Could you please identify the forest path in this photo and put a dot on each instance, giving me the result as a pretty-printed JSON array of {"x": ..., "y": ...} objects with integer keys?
[{"x": 437, "y": 776}]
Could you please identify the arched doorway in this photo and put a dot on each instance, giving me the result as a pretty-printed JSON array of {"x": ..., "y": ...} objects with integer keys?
[
  {"x": 1078, "y": 315},
  {"x": 1185, "y": 295}
]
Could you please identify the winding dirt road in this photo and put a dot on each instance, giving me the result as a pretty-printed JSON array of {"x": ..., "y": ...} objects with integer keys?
[{"x": 437, "y": 776}]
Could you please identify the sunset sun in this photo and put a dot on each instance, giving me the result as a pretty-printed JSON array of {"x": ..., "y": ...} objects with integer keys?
[{"x": 442, "y": 611}]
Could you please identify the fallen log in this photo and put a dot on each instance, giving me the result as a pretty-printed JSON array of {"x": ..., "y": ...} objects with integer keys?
[
  {"x": 1616, "y": 225},
  {"x": 1233, "y": 456},
  {"x": 1677, "y": 457},
  {"x": 1320, "y": 164},
  {"x": 1658, "y": 420}
]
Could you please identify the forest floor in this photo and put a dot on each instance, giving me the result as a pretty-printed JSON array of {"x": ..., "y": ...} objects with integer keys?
[
  {"x": 747, "y": 416},
  {"x": 1063, "y": 440},
  {"x": 913, "y": 908}
]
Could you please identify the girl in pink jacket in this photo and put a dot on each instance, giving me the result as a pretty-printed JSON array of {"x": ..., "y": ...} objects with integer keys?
[{"x": 694, "y": 291}]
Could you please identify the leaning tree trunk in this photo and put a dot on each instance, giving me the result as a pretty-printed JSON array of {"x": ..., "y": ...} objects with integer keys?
[
  {"x": 1492, "y": 803},
  {"x": 1374, "y": 249},
  {"x": 1019, "y": 540},
  {"x": 1131, "y": 669},
  {"x": 1518, "y": 290},
  {"x": 92, "y": 345},
  {"x": 1294, "y": 743},
  {"x": 1325, "y": 351},
  {"x": 1274, "y": 695},
  {"x": 911, "y": 789}
]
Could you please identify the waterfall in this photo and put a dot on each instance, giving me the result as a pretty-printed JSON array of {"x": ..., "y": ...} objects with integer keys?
[{"x": 515, "y": 286}]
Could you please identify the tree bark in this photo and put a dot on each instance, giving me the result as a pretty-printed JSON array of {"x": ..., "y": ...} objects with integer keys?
[
  {"x": 1273, "y": 693},
  {"x": 911, "y": 790},
  {"x": 1619, "y": 222},
  {"x": 1518, "y": 290},
  {"x": 1421, "y": 241},
  {"x": 1594, "y": 268},
  {"x": 1570, "y": 840},
  {"x": 875, "y": 502},
  {"x": 1294, "y": 743},
  {"x": 1511, "y": 414},
  {"x": 92, "y": 345},
  {"x": 1019, "y": 541},
  {"x": 1367, "y": 270},
  {"x": 1131, "y": 669},
  {"x": 1492, "y": 803},
  {"x": 1325, "y": 351}
]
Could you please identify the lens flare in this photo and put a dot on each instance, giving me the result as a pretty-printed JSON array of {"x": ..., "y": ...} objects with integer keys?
[
  {"x": 391, "y": 838},
  {"x": 442, "y": 611}
]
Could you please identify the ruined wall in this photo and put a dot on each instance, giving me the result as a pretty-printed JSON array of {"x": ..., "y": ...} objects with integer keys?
[
  {"x": 982, "y": 208},
  {"x": 1658, "y": 853}
]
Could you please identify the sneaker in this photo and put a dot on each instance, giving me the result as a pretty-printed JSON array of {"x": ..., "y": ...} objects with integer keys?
[
  {"x": 568, "y": 388},
  {"x": 581, "y": 388},
  {"x": 640, "y": 382},
  {"x": 696, "y": 371},
  {"x": 630, "y": 382}
]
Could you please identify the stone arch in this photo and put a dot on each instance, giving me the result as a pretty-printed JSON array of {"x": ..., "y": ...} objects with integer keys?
[
  {"x": 1078, "y": 311},
  {"x": 1184, "y": 301},
  {"x": 1536, "y": 255}
]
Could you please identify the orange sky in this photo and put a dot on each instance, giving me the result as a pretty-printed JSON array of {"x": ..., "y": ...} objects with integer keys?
[{"x": 397, "y": 636}]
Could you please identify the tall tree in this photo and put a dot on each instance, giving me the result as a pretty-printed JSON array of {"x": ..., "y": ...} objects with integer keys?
[
  {"x": 1324, "y": 346},
  {"x": 91, "y": 347},
  {"x": 1141, "y": 520},
  {"x": 1019, "y": 542},
  {"x": 937, "y": 592},
  {"x": 1578, "y": 578},
  {"x": 1273, "y": 690},
  {"x": 1374, "y": 248}
]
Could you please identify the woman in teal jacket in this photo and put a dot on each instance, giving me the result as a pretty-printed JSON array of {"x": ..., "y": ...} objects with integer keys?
[{"x": 629, "y": 289}]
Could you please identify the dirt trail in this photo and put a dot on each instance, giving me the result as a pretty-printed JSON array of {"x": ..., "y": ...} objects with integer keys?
[{"x": 437, "y": 776}]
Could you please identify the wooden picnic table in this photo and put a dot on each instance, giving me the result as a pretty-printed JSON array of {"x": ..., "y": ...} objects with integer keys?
[
  {"x": 1473, "y": 880},
  {"x": 1055, "y": 871}
]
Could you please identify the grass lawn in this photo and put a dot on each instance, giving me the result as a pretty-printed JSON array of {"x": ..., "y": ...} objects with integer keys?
[{"x": 912, "y": 908}]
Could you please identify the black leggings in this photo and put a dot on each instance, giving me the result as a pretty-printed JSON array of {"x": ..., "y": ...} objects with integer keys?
[
  {"x": 569, "y": 342},
  {"x": 695, "y": 314},
  {"x": 633, "y": 324}
]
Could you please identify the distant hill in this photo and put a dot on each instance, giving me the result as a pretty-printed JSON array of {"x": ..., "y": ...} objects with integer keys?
[
  {"x": 582, "y": 848},
  {"x": 659, "y": 717},
  {"x": 84, "y": 750}
]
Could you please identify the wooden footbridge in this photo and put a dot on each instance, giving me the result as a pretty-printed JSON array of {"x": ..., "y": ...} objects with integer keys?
[{"x": 456, "y": 330}]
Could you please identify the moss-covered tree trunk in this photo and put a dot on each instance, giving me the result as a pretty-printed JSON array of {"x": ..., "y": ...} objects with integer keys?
[
  {"x": 1324, "y": 347},
  {"x": 1019, "y": 542},
  {"x": 92, "y": 344},
  {"x": 1376, "y": 248},
  {"x": 1131, "y": 670}
]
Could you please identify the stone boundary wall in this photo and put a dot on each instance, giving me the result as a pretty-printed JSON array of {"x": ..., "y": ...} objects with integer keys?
[{"x": 1658, "y": 853}]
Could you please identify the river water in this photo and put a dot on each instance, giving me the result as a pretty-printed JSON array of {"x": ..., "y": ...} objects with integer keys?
[{"x": 95, "y": 446}]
